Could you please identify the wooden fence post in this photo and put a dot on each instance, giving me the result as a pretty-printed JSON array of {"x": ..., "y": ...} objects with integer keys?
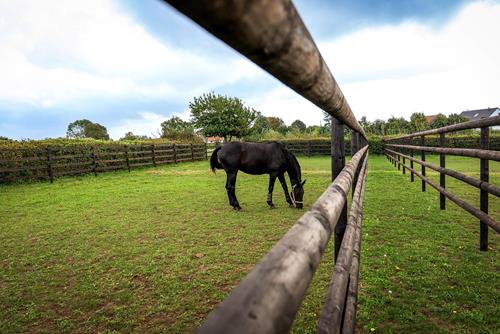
[
  {"x": 206, "y": 151},
  {"x": 422, "y": 153},
  {"x": 192, "y": 152},
  {"x": 50, "y": 172},
  {"x": 338, "y": 163},
  {"x": 399, "y": 160},
  {"x": 94, "y": 162},
  {"x": 308, "y": 148},
  {"x": 442, "y": 176},
  {"x": 355, "y": 141},
  {"x": 484, "y": 165},
  {"x": 126, "y": 158},
  {"x": 412, "y": 177},
  {"x": 153, "y": 154},
  {"x": 175, "y": 155}
]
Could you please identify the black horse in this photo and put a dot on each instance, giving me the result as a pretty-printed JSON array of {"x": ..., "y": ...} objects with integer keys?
[{"x": 256, "y": 159}]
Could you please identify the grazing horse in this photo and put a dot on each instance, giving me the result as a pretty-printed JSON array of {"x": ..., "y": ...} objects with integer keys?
[{"x": 256, "y": 159}]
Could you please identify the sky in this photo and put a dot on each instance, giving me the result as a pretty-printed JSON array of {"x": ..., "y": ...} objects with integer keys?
[{"x": 129, "y": 65}]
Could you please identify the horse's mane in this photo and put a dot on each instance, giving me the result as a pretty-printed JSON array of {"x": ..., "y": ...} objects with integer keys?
[{"x": 292, "y": 161}]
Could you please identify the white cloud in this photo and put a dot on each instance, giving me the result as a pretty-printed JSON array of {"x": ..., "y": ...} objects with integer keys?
[
  {"x": 285, "y": 103},
  {"x": 54, "y": 52},
  {"x": 61, "y": 51},
  {"x": 146, "y": 123},
  {"x": 398, "y": 70}
]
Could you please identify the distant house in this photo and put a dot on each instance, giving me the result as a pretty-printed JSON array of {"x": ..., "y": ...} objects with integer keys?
[
  {"x": 210, "y": 140},
  {"x": 430, "y": 118},
  {"x": 473, "y": 115}
]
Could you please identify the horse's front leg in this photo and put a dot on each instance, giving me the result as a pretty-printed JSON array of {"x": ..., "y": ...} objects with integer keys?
[
  {"x": 281, "y": 177},
  {"x": 272, "y": 180}
]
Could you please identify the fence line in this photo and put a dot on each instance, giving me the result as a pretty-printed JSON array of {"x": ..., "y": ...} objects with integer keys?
[
  {"x": 268, "y": 298},
  {"x": 484, "y": 153},
  {"x": 272, "y": 35},
  {"x": 22, "y": 164}
]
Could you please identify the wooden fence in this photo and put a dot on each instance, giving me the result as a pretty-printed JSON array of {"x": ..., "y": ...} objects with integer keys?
[
  {"x": 301, "y": 147},
  {"x": 272, "y": 35},
  {"x": 484, "y": 153},
  {"x": 52, "y": 162}
]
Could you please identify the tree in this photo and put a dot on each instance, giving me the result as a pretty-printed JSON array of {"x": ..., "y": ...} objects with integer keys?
[
  {"x": 366, "y": 125},
  {"x": 177, "y": 129},
  {"x": 397, "y": 125},
  {"x": 456, "y": 118},
  {"x": 223, "y": 116},
  {"x": 96, "y": 131},
  {"x": 261, "y": 124},
  {"x": 77, "y": 128},
  {"x": 130, "y": 136},
  {"x": 379, "y": 127},
  {"x": 327, "y": 118},
  {"x": 439, "y": 121},
  {"x": 277, "y": 124},
  {"x": 418, "y": 122},
  {"x": 83, "y": 128},
  {"x": 298, "y": 125}
]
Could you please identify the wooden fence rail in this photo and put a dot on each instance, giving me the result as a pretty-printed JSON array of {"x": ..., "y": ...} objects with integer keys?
[
  {"x": 23, "y": 164},
  {"x": 395, "y": 149},
  {"x": 273, "y": 36},
  {"x": 268, "y": 298}
]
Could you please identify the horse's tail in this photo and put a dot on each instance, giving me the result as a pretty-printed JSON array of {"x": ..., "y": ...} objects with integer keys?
[{"x": 214, "y": 162}]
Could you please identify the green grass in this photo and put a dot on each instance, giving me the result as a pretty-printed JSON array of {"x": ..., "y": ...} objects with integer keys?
[{"x": 156, "y": 250}]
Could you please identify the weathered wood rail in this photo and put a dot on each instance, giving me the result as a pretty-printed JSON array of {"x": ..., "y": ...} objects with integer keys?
[
  {"x": 273, "y": 36},
  {"x": 23, "y": 164},
  {"x": 404, "y": 144}
]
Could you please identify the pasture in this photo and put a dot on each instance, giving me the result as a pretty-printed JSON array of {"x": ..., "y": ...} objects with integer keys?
[{"x": 154, "y": 250}]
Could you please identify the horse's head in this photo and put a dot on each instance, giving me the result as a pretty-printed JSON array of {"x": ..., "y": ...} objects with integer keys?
[{"x": 297, "y": 194}]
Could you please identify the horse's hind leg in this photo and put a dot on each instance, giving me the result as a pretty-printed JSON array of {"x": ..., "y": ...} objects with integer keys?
[
  {"x": 231, "y": 189},
  {"x": 272, "y": 180},
  {"x": 281, "y": 177}
]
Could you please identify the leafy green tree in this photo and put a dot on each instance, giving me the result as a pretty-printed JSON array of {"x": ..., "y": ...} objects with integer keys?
[
  {"x": 397, "y": 125},
  {"x": 96, "y": 131},
  {"x": 83, "y": 128},
  {"x": 277, "y": 124},
  {"x": 440, "y": 121},
  {"x": 130, "y": 136},
  {"x": 5, "y": 138},
  {"x": 379, "y": 127},
  {"x": 77, "y": 128},
  {"x": 177, "y": 129},
  {"x": 222, "y": 116},
  {"x": 456, "y": 118},
  {"x": 418, "y": 122},
  {"x": 298, "y": 125},
  {"x": 261, "y": 124},
  {"x": 366, "y": 125}
]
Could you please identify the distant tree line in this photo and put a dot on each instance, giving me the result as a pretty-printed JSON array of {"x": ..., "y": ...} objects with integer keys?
[
  {"x": 228, "y": 117},
  {"x": 399, "y": 125}
]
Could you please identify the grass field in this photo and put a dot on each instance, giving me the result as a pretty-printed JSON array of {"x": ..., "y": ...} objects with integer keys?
[{"x": 155, "y": 250}]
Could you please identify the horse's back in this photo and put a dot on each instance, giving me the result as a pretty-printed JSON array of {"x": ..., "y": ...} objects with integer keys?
[{"x": 252, "y": 158}]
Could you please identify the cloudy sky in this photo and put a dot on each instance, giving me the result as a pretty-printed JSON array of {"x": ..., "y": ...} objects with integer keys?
[{"x": 129, "y": 64}]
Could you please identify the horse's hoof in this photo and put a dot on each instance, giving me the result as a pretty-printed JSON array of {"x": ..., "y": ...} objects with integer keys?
[
  {"x": 236, "y": 208},
  {"x": 291, "y": 206},
  {"x": 272, "y": 206}
]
